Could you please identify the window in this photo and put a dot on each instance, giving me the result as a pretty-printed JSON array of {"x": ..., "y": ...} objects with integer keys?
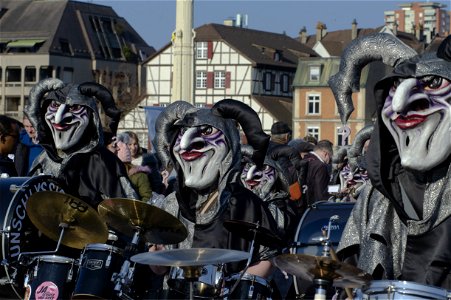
[
  {"x": 45, "y": 72},
  {"x": 66, "y": 48},
  {"x": 201, "y": 79},
  {"x": 314, "y": 72},
  {"x": 13, "y": 74},
  {"x": 285, "y": 83},
  {"x": 313, "y": 131},
  {"x": 267, "y": 81},
  {"x": 202, "y": 50},
  {"x": 313, "y": 104},
  {"x": 220, "y": 79},
  {"x": 12, "y": 103},
  {"x": 30, "y": 74}
]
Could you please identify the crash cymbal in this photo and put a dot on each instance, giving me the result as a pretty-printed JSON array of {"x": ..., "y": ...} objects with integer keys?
[
  {"x": 190, "y": 257},
  {"x": 47, "y": 210},
  {"x": 311, "y": 267},
  {"x": 128, "y": 215},
  {"x": 247, "y": 230}
]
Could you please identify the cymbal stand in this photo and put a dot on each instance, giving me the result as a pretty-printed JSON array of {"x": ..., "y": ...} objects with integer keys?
[
  {"x": 251, "y": 250},
  {"x": 63, "y": 226},
  {"x": 125, "y": 276}
]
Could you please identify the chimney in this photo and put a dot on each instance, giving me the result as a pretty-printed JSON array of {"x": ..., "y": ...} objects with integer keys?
[
  {"x": 354, "y": 30},
  {"x": 419, "y": 32},
  {"x": 303, "y": 35},
  {"x": 321, "y": 31},
  {"x": 395, "y": 28}
]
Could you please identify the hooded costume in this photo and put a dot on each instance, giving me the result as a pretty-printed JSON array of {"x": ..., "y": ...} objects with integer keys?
[
  {"x": 69, "y": 128},
  {"x": 203, "y": 146},
  {"x": 401, "y": 226}
]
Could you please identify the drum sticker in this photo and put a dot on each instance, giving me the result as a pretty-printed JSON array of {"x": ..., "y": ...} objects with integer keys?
[
  {"x": 94, "y": 264},
  {"x": 20, "y": 213},
  {"x": 47, "y": 291}
]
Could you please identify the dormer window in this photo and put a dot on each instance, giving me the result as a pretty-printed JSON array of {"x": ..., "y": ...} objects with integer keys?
[{"x": 315, "y": 73}]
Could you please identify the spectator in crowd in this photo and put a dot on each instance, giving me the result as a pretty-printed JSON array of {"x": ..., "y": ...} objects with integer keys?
[
  {"x": 138, "y": 178},
  {"x": 9, "y": 136},
  {"x": 27, "y": 148},
  {"x": 135, "y": 148},
  {"x": 280, "y": 133},
  {"x": 318, "y": 175},
  {"x": 311, "y": 139},
  {"x": 301, "y": 146}
]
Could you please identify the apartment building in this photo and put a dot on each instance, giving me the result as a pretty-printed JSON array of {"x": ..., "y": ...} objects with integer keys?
[
  {"x": 70, "y": 40},
  {"x": 423, "y": 19}
]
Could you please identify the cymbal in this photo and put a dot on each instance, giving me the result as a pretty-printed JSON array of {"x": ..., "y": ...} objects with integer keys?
[
  {"x": 311, "y": 267},
  {"x": 190, "y": 257},
  {"x": 48, "y": 209},
  {"x": 247, "y": 230},
  {"x": 128, "y": 215}
]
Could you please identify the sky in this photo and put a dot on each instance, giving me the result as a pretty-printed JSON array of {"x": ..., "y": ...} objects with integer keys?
[{"x": 154, "y": 20}]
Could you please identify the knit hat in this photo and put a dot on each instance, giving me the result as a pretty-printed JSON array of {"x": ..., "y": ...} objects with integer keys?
[{"x": 280, "y": 128}]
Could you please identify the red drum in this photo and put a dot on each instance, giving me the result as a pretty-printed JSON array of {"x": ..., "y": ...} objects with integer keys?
[
  {"x": 310, "y": 231},
  {"x": 18, "y": 233}
]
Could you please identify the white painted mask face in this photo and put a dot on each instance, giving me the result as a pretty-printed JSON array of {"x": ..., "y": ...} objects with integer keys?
[
  {"x": 200, "y": 151},
  {"x": 417, "y": 113},
  {"x": 67, "y": 123},
  {"x": 260, "y": 182}
]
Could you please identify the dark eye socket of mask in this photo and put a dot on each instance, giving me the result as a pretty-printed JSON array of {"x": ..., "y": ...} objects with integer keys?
[
  {"x": 206, "y": 130},
  {"x": 433, "y": 82}
]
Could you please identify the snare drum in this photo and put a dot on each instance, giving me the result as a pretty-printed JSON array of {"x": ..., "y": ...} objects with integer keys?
[
  {"x": 208, "y": 285},
  {"x": 51, "y": 278},
  {"x": 249, "y": 287},
  {"x": 397, "y": 290},
  {"x": 98, "y": 264},
  {"x": 309, "y": 232},
  {"x": 18, "y": 233}
]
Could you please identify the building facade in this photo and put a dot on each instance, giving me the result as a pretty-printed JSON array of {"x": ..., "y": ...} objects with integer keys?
[
  {"x": 75, "y": 41},
  {"x": 251, "y": 66},
  {"x": 423, "y": 19}
]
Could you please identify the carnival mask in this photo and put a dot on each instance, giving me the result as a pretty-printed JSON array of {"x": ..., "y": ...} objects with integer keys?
[
  {"x": 200, "y": 151},
  {"x": 67, "y": 123},
  {"x": 417, "y": 114},
  {"x": 260, "y": 182}
]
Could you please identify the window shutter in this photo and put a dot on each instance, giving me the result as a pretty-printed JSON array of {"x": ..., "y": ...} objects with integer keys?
[
  {"x": 227, "y": 80},
  {"x": 210, "y": 50},
  {"x": 210, "y": 77}
]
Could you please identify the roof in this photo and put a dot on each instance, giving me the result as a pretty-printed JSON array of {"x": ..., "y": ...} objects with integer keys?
[
  {"x": 336, "y": 41},
  {"x": 258, "y": 46},
  {"x": 329, "y": 66},
  {"x": 279, "y": 108},
  {"x": 64, "y": 20}
]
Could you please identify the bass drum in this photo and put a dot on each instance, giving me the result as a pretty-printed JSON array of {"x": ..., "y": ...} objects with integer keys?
[
  {"x": 310, "y": 232},
  {"x": 18, "y": 233}
]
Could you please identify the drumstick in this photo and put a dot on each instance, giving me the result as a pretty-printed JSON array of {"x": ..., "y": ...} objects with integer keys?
[{"x": 334, "y": 256}]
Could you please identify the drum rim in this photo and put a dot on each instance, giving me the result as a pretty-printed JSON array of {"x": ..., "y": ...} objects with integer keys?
[
  {"x": 103, "y": 247},
  {"x": 402, "y": 286}
]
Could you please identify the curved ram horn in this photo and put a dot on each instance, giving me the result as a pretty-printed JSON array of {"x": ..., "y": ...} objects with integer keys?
[{"x": 356, "y": 149}]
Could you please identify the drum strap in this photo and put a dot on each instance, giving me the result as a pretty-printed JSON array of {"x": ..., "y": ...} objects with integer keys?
[{"x": 408, "y": 207}]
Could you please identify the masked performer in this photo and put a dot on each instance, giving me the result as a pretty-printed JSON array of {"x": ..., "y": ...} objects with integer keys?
[
  {"x": 69, "y": 128},
  {"x": 203, "y": 145},
  {"x": 400, "y": 226}
]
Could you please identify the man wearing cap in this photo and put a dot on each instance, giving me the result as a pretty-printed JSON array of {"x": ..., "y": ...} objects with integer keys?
[{"x": 280, "y": 133}]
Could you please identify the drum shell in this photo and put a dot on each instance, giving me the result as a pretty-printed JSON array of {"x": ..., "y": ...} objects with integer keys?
[
  {"x": 20, "y": 235},
  {"x": 94, "y": 278},
  {"x": 310, "y": 231},
  {"x": 250, "y": 287},
  {"x": 403, "y": 290},
  {"x": 54, "y": 278}
]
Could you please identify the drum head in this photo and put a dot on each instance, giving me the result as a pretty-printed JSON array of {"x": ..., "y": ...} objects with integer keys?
[{"x": 19, "y": 234}]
